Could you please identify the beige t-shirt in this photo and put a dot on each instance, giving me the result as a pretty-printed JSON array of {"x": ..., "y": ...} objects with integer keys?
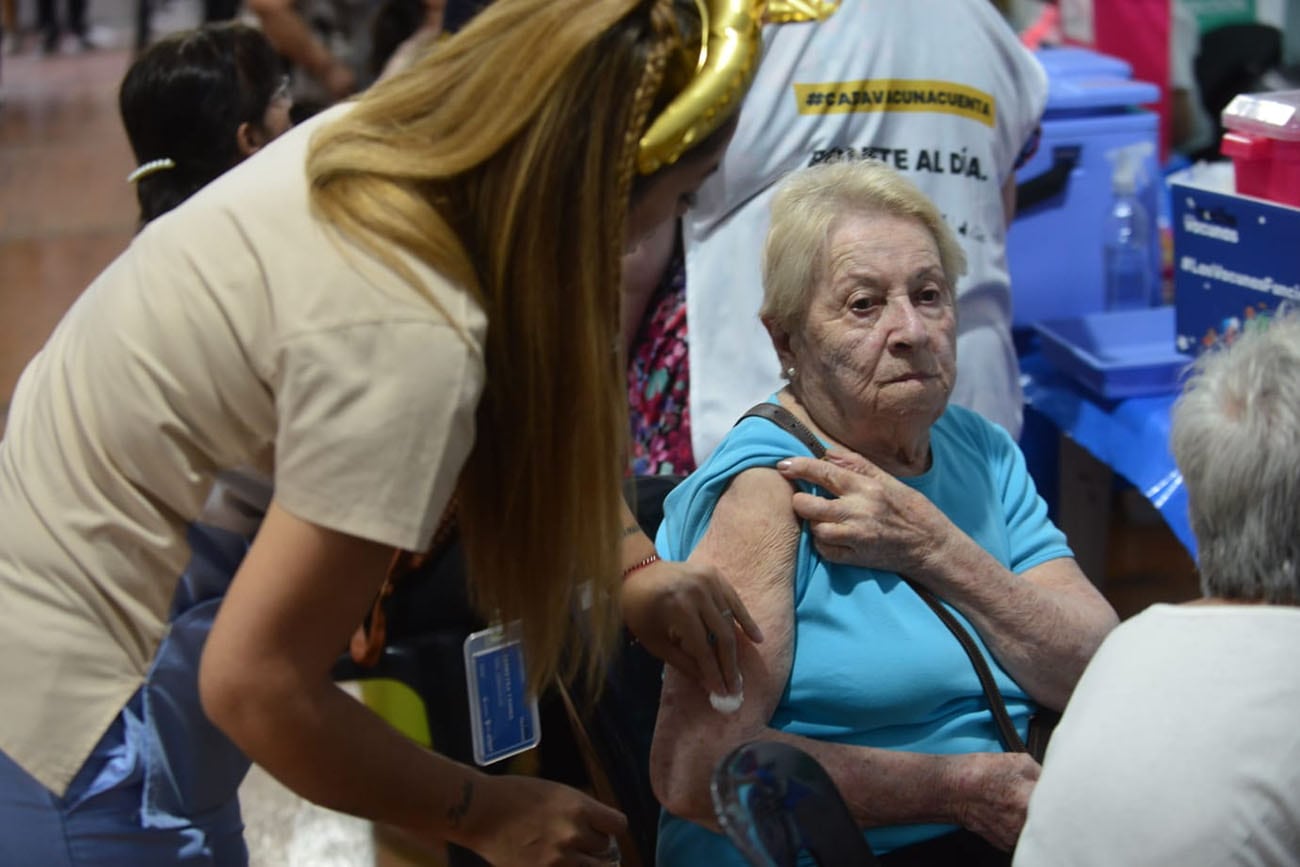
[{"x": 234, "y": 332}]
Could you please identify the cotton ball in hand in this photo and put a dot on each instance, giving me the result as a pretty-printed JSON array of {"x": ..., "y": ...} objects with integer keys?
[{"x": 729, "y": 703}]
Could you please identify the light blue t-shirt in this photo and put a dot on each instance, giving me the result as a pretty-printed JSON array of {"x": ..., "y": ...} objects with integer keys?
[{"x": 873, "y": 665}]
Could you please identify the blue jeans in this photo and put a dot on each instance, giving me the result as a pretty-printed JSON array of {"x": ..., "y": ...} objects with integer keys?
[
  {"x": 161, "y": 786},
  {"x": 100, "y": 820}
]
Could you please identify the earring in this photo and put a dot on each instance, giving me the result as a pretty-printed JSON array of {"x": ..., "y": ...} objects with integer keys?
[{"x": 789, "y": 373}]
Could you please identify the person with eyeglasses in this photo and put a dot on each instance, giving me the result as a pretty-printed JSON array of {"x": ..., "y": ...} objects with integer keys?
[{"x": 197, "y": 103}]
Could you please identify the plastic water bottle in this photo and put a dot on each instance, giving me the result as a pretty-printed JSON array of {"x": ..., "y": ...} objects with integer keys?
[
  {"x": 1128, "y": 257},
  {"x": 1130, "y": 275}
]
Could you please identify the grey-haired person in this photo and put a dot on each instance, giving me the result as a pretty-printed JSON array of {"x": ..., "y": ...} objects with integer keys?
[
  {"x": 1180, "y": 744},
  {"x": 859, "y": 300}
]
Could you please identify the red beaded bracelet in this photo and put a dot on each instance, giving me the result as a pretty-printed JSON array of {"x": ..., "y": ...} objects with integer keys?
[{"x": 640, "y": 564}]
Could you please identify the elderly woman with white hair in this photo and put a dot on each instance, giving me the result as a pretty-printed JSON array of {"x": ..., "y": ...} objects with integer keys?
[
  {"x": 914, "y": 499},
  {"x": 1181, "y": 743}
]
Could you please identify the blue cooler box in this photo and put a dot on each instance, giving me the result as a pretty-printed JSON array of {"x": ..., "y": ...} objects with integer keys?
[
  {"x": 1236, "y": 258},
  {"x": 1054, "y": 246}
]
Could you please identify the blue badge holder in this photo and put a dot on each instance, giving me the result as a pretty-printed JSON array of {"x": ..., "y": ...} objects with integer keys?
[{"x": 503, "y": 717}]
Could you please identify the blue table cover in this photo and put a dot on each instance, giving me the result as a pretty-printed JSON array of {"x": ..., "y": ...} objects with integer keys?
[{"x": 1129, "y": 435}]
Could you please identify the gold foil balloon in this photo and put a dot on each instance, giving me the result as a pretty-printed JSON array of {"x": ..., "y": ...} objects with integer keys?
[
  {"x": 732, "y": 39},
  {"x": 790, "y": 11},
  {"x": 732, "y": 36}
]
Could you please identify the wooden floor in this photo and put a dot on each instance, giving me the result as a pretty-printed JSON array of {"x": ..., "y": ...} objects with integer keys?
[{"x": 65, "y": 207}]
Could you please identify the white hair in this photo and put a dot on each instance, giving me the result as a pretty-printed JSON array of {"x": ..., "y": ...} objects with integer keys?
[
  {"x": 805, "y": 210},
  {"x": 1236, "y": 438}
]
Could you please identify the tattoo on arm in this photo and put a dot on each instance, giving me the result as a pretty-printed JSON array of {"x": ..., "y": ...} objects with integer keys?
[{"x": 457, "y": 812}]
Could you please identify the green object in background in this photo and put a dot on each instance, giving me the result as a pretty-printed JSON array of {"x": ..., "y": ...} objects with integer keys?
[
  {"x": 1216, "y": 13},
  {"x": 398, "y": 704},
  {"x": 402, "y": 709}
]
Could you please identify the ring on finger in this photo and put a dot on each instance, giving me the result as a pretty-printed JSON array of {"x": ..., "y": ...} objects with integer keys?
[
  {"x": 727, "y": 614},
  {"x": 611, "y": 855}
]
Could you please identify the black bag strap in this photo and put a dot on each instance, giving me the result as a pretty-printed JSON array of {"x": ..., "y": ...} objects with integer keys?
[
  {"x": 784, "y": 419},
  {"x": 1006, "y": 729},
  {"x": 1011, "y": 739}
]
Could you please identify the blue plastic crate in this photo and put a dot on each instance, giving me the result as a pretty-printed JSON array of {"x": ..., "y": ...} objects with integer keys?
[{"x": 1125, "y": 353}]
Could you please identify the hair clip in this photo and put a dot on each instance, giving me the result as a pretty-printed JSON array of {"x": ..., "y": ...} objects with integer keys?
[{"x": 144, "y": 170}]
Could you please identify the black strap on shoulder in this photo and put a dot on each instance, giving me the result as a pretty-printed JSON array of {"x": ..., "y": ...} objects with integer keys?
[
  {"x": 1011, "y": 739},
  {"x": 1006, "y": 729},
  {"x": 784, "y": 419}
]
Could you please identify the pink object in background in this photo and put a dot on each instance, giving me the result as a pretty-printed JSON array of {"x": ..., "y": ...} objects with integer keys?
[
  {"x": 1046, "y": 29},
  {"x": 1263, "y": 140}
]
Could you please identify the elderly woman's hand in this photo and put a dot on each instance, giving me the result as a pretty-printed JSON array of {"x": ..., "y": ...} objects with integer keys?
[
  {"x": 990, "y": 794},
  {"x": 875, "y": 521},
  {"x": 686, "y": 614}
]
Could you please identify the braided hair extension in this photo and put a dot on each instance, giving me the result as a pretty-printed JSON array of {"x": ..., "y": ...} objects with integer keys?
[{"x": 663, "y": 21}]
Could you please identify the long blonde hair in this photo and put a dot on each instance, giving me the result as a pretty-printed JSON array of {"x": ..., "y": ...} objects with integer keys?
[{"x": 504, "y": 158}]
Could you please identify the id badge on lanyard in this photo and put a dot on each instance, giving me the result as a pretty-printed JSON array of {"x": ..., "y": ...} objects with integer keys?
[{"x": 503, "y": 716}]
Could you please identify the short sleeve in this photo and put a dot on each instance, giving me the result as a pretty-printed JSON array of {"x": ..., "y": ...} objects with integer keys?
[
  {"x": 1032, "y": 537},
  {"x": 375, "y": 422},
  {"x": 1020, "y": 120},
  {"x": 1033, "y": 82}
]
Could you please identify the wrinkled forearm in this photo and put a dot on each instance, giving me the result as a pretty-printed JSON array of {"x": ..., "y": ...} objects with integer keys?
[
  {"x": 887, "y": 787},
  {"x": 1043, "y": 626},
  {"x": 881, "y": 787}
]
